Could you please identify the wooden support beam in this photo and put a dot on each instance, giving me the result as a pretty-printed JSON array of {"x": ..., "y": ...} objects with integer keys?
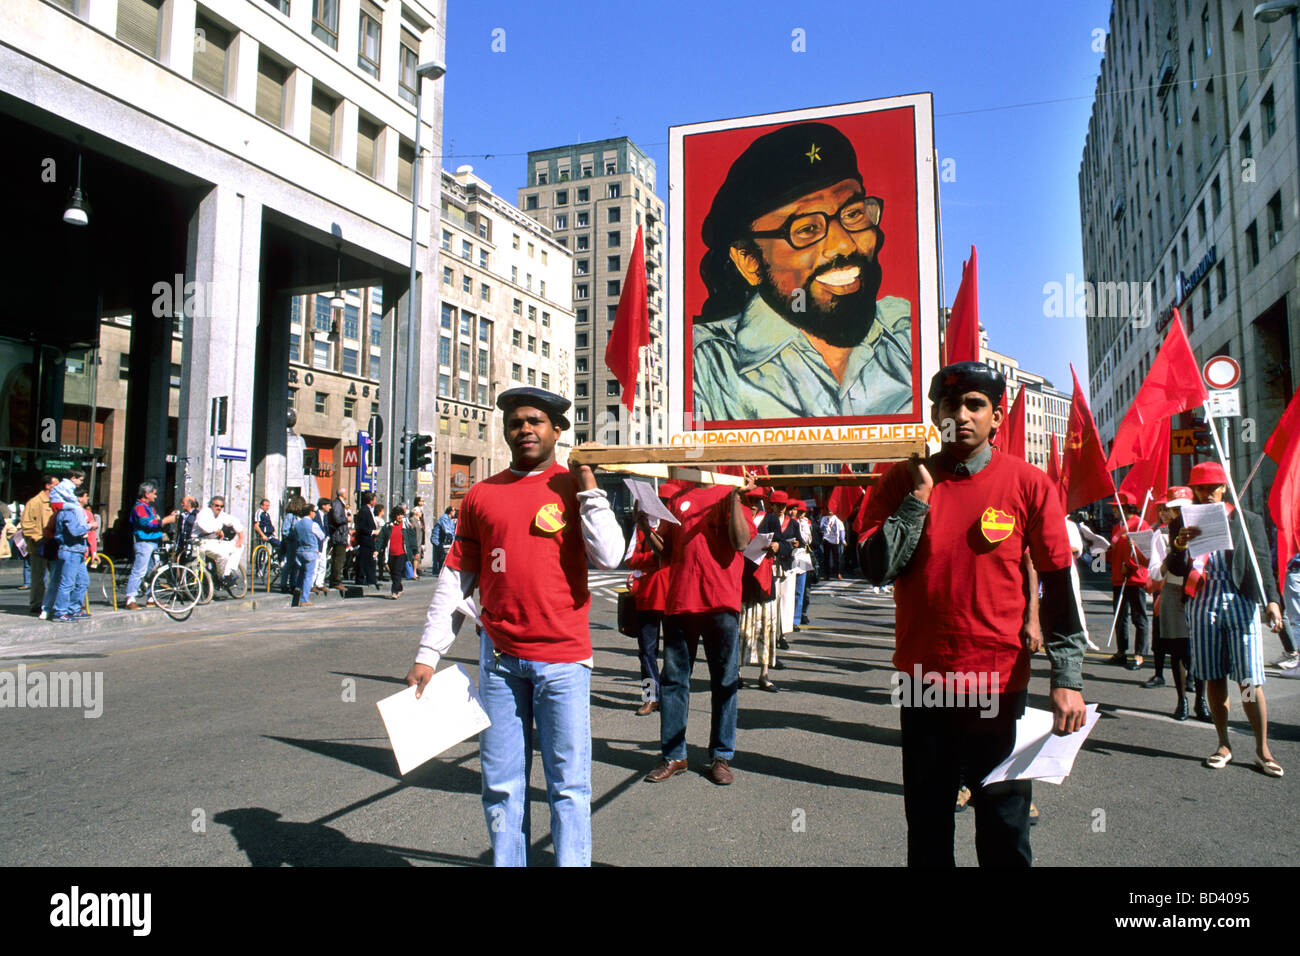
[
  {"x": 815, "y": 481},
  {"x": 782, "y": 453}
]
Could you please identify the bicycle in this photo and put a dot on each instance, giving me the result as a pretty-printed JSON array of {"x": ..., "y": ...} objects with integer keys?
[
  {"x": 267, "y": 562},
  {"x": 176, "y": 587}
]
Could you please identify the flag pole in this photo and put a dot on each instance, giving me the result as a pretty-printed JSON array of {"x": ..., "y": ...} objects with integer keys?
[
  {"x": 1251, "y": 477},
  {"x": 1236, "y": 502},
  {"x": 943, "y": 302},
  {"x": 1119, "y": 604}
]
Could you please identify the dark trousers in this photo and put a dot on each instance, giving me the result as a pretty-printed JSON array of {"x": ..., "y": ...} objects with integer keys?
[
  {"x": 944, "y": 747},
  {"x": 338, "y": 557},
  {"x": 648, "y": 651},
  {"x": 720, "y": 633},
  {"x": 396, "y": 570},
  {"x": 831, "y": 557},
  {"x": 439, "y": 557},
  {"x": 1133, "y": 597},
  {"x": 366, "y": 573}
]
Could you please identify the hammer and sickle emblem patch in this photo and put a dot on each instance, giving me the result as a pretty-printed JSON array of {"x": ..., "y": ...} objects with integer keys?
[
  {"x": 997, "y": 525},
  {"x": 549, "y": 518}
]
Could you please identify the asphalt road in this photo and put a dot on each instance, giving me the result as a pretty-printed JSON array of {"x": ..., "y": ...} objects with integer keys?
[{"x": 234, "y": 741}]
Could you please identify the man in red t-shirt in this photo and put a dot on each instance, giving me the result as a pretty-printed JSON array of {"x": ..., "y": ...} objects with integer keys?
[
  {"x": 524, "y": 538},
  {"x": 703, "y": 603},
  {"x": 1128, "y": 584},
  {"x": 950, "y": 532}
]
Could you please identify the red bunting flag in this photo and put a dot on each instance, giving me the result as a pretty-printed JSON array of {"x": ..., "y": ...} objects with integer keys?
[
  {"x": 1054, "y": 469},
  {"x": 844, "y": 498},
  {"x": 1172, "y": 385},
  {"x": 1148, "y": 479},
  {"x": 1287, "y": 433},
  {"x": 1083, "y": 467},
  {"x": 879, "y": 468},
  {"x": 631, "y": 325},
  {"x": 1014, "y": 427},
  {"x": 1284, "y": 506},
  {"x": 962, "y": 338}
]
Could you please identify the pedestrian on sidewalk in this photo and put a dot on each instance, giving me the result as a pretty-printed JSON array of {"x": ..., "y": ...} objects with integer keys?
[
  {"x": 309, "y": 538},
  {"x": 1291, "y": 616},
  {"x": 525, "y": 537},
  {"x": 381, "y": 522},
  {"x": 366, "y": 527},
  {"x": 649, "y": 585},
  {"x": 397, "y": 542},
  {"x": 37, "y": 525},
  {"x": 146, "y": 536},
  {"x": 759, "y": 609},
  {"x": 833, "y": 537},
  {"x": 1172, "y": 610},
  {"x": 1223, "y": 609},
  {"x": 1128, "y": 579},
  {"x": 951, "y": 531},
  {"x": 703, "y": 605},
  {"x": 338, "y": 528},
  {"x": 415, "y": 518},
  {"x": 72, "y": 527}
]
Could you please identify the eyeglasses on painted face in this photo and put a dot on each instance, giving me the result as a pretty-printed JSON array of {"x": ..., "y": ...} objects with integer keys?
[{"x": 804, "y": 229}]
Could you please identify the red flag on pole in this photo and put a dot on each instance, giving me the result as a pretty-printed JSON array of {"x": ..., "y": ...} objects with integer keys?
[
  {"x": 1287, "y": 433},
  {"x": 1284, "y": 505},
  {"x": 1172, "y": 385},
  {"x": 1014, "y": 427},
  {"x": 962, "y": 338},
  {"x": 631, "y": 325},
  {"x": 1054, "y": 469},
  {"x": 844, "y": 498},
  {"x": 999, "y": 438},
  {"x": 1150, "y": 474},
  {"x": 1083, "y": 467}
]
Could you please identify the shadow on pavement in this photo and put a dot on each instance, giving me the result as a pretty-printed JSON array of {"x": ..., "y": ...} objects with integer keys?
[{"x": 269, "y": 841}]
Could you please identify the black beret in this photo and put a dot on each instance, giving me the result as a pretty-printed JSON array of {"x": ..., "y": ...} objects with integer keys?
[
  {"x": 554, "y": 405},
  {"x": 962, "y": 377},
  {"x": 777, "y": 168}
]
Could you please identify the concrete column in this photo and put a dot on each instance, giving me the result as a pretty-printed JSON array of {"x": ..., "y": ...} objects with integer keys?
[
  {"x": 242, "y": 71},
  {"x": 271, "y": 399},
  {"x": 100, "y": 14},
  {"x": 346, "y": 118},
  {"x": 297, "y": 104},
  {"x": 222, "y": 260},
  {"x": 177, "y": 35},
  {"x": 300, "y": 18},
  {"x": 390, "y": 51},
  {"x": 349, "y": 31},
  {"x": 147, "y": 391}
]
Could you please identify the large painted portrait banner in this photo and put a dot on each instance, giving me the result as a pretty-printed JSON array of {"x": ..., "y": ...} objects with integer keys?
[{"x": 803, "y": 299}]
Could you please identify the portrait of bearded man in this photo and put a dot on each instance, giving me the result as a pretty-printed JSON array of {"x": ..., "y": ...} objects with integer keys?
[{"x": 792, "y": 327}]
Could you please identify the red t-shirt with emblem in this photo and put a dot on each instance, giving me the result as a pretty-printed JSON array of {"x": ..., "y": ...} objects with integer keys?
[
  {"x": 522, "y": 536},
  {"x": 961, "y": 602},
  {"x": 704, "y": 568}
]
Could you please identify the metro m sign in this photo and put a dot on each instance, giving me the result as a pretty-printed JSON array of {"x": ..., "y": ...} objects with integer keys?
[{"x": 350, "y": 457}]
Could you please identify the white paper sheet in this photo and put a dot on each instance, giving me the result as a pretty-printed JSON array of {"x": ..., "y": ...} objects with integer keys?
[
  {"x": 448, "y": 712},
  {"x": 1215, "y": 534},
  {"x": 647, "y": 499},
  {"x": 757, "y": 545},
  {"x": 1038, "y": 754},
  {"x": 1141, "y": 541},
  {"x": 1096, "y": 543}
]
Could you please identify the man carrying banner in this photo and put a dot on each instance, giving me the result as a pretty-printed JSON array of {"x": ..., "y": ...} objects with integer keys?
[{"x": 951, "y": 531}]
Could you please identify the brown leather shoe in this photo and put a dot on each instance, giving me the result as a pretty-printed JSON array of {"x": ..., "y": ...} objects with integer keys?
[
  {"x": 649, "y": 707},
  {"x": 131, "y": 606},
  {"x": 666, "y": 769},
  {"x": 719, "y": 772}
]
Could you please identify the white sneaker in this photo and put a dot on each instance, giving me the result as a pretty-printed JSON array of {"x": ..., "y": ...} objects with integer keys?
[
  {"x": 44, "y": 616},
  {"x": 1288, "y": 662}
]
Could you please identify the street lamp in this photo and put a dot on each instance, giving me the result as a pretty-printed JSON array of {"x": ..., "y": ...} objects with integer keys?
[
  {"x": 432, "y": 70},
  {"x": 76, "y": 212}
]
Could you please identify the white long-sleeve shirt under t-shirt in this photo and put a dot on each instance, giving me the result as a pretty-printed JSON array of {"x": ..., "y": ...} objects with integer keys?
[{"x": 601, "y": 535}]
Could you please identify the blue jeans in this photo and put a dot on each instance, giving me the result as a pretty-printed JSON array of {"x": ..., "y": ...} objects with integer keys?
[
  {"x": 73, "y": 581},
  {"x": 1291, "y": 603},
  {"x": 144, "y": 555},
  {"x": 516, "y": 693},
  {"x": 53, "y": 573},
  {"x": 305, "y": 569},
  {"x": 720, "y": 631},
  {"x": 648, "y": 651},
  {"x": 27, "y": 571},
  {"x": 800, "y": 580}
]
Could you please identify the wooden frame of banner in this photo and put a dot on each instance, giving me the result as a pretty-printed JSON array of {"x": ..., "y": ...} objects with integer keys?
[{"x": 691, "y": 462}]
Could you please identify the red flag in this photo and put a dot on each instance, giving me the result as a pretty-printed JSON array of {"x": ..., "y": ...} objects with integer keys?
[
  {"x": 1151, "y": 474},
  {"x": 999, "y": 436},
  {"x": 1014, "y": 427},
  {"x": 631, "y": 325},
  {"x": 1083, "y": 468},
  {"x": 1172, "y": 385},
  {"x": 962, "y": 338},
  {"x": 845, "y": 498},
  {"x": 1054, "y": 469},
  {"x": 879, "y": 468},
  {"x": 1287, "y": 433},
  {"x": 1284, "y": 505}
]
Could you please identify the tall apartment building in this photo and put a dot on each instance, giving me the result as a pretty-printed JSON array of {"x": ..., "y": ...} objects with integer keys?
[
  {"x": 1047, "y": 408},
  {"x": 201, "y": 165},
  {"x": 1188, "y": 188},
  {"x": 593, "y": 196},
  {"x": 506, "y": 319}
]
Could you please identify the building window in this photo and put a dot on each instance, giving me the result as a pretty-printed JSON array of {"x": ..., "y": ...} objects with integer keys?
[
  {"x": 532, "y": 343},
  {"x": 582, "y": 243},
  {"x": 211, "y": 45},
  {"x": 295, "y": 350},
  {"x": 270, "y": 90},
  {"x": 484, "y": 292},
  {"x": 614, "y": 214},
  {"x": 462, "y": 390},
  {"x": 580, "y": 389},
  {"x": 322, "y": 403},
  {"x": 583, "y": 219},
  {"x": 1247, "y": 150},
  {"x": 611, "y": 287},
  {"x": 410, "y": 59},
  {"x": 405, "y": 167},
  {"x": 293, "y": 398},
  {"x": 444, "y": 385},
  {"x": 532, "y": 376},
  {"x": 482, "y": 400},
  {"x": 516, "y": 372},
  {"x": 580, "y": 364},
  {"x": 323, "y": 107},
  {"x": 1221, "y": 271},
  {"x": 368, "y": 41},
  {"x": 466, "y": 329},
  {"x": 584, "y": 194},
  {"x": 1205, "y": 298},
  {"x": 614, "y": 240},
  {"x": 1216, "y": 198},
  {"x": 448, "y": 278},
  {"x": 561, "y": 197},
  {"x": 581, "y": 292},
  {"x": 367, "y": 147},
  {"x": 514, "y": 274},
  {"x": 446, "y": 241},
  {"x": 448, "y": 317},
  {"x": 517, "y": 306},
  {"x": 1275, "y": 220},
  {"x": 581, "y": 342},
  {"x": 1269, "y": 113},
  {"x": 444, "y": 351},
  {"x": 467, "y": 284},
  {"x": 463, "y": 354},
  {"x": 322, "y": 321},
  {"x": 614, "y": 264},
  {"x": 546, "y": 349},
  {"x": 483, "y": 258},
  {"x": 612, "y": 387},
  {"x": 1200, "y": 220},
  {"x": 325, "y": 22},
  {"x": 546, "y": 320},
  {"x": 349, "y": 407},
  {"x": 530, "y": 202},
  {"x": 562, "y": 220},
  {"x": 614, "y": 191},
  {"x": 484, "y": 330},
  {"x": 517, "y": 338},
  {"x": 1252, "y": 245},
  {"x": 532, "y": 313},
  {"x": 321, "y": 354},
  {"x": 137, "y": 24},
  {"x": 546, "y": 380},
  {"x": 582, "y": 267},
  {"x": 466, "y": 250},
  {"x": 581, "y": 316},
  {"x": 611, "y": 313},
  {"x": 444, "y": 425},
  {"x": 1265, "y": 52},
  {"x": 483, "y": 362}
]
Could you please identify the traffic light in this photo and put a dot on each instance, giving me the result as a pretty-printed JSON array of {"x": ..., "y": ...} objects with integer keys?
[
  {"x": 1201, "y": 435},
  {"x": 421, "y": 452}
]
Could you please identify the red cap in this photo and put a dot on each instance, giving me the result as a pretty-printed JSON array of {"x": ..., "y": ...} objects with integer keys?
[
  {"x": 779, "y": 498},
  {"x": 1179, "y": 495},
  {"x": 1208, "y": 473},
  {"x": 1126, "y": 498}
]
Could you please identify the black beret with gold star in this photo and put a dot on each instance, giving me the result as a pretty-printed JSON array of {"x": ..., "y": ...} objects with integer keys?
[
  {"x": 777, "y": 168},
  {"x": 962, "y": 377}
]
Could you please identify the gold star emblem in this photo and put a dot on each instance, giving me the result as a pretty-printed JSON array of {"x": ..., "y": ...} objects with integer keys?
[{"x": 812, "y": 154}]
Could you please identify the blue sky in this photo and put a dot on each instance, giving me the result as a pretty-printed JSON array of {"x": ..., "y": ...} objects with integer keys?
[{"x": 1012, "y": 84}]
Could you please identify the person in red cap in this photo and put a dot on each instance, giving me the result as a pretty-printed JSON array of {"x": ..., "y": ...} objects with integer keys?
[
  {"x": 951, "y": 531},
  {"x": 759, "y": 612},
  {"x": 1128, "y": 580},
  {"x": 1223, "y": 607},
  {"x": 649, "y": 584},
  {"x": 1171, "y": 616}
]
